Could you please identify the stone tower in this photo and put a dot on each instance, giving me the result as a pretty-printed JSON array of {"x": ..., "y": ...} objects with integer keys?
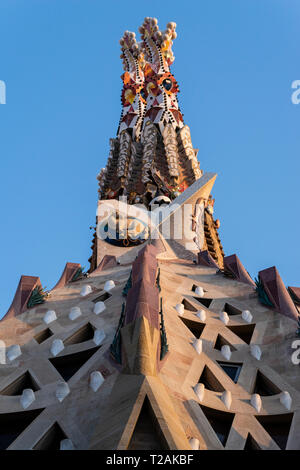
[{"x": 166, "y": 343}]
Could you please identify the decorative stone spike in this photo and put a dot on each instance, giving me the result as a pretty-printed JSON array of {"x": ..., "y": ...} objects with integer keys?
[
  {"x": 194, "y": 443},
  {"x": 49, "y": 317},
  {"x": 255, "y": 351},
  {"x": 75, "y": 313},
  {"x": 96, "y": 380},
  {"x": 226, "y": 351},
  {"x": 247, "y": 316},
  {"x": 197, "y": 344},
  {"x": 99, "y": 307},
  {"x": 86, "y": 290},
  {"x": 286, "y": 400},
  {"x": 62, "y": 390},
  {"x": 109, "y": 285},
  {"x": 180, "y": 309},
  {"x": 201, "y": 314},
  {"x": 256, "y": 402},
  {"x": 226, "y": 399},
  {"x": 199, "y": 291},
  {"x": 27, "y": 398},
  {"x": 57, "y": 346},
  {"x": 99, "y": 337},
  {"x": 199, "y": 390},
  {"x": 13, "y": 352},
  {"x": 66, "y": 444},
  {"x": 224, "y": 317}
]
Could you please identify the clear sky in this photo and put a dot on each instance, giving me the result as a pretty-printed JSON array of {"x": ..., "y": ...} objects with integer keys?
[{"x": 235, "y": 63}]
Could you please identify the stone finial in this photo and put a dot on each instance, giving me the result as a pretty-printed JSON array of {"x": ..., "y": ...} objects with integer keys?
[
  {"x": 256, "y": 402},
  {"x": 62, "y": 390},
  {"x": 194, "y": 443},
  {"x": 13, "y": 352},
  {"x": 226, "y": 398},
  {"x": 86, "y": 290},
  {"x": 199, "y": 291},
  {"x": 99, "y": 337},
  {"x": 255, "y": 351},
  {"x": 49, "y": 317},
  {"x": 96, "y": 380},
  {"x": 197, "y": 344},
  {"x": 109, "y": 285},
  {"x": 180, "y": 309},
  {"x": 224, "y": 317},
  {"x": 247, "y": 316},
  {"x": 66, "y": 444},
  {"x": 74, "y": 313},
  {"x": 99, "y": 307},
  {"x": 286, "y": 400},
  {"x": 201, "y": 314},
  {"x": 56, "y": 347},
  {"x": 199, "y": 390},
  {"x": 226, "y": 351},
  {"x": 27, "y": 398}
]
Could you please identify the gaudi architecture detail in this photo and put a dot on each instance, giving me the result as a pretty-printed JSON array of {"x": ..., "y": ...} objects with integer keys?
[{"x": 165, "y": 343}]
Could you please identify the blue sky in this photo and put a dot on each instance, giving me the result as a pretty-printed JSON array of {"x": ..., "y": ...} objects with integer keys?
[{"x": 235, "y": 63}]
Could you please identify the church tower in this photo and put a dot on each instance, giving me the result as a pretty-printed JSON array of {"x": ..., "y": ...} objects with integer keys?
[{"x": 165, "y": 343}]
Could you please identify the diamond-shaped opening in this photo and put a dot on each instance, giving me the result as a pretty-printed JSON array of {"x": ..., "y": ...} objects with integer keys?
[
  {"x": 17, "y": 386},
  {"x": 147, "y": 434},
  {"x": 69, "y": 364},
  {"x": 195, "y": 327},
  {"x": 221, "y": 341},
  {"x": 278, "y": 427},
  {"x": 43, "y": 335},
  {"x": 251, "y": 443},
  {"x": 13, "y": 424},
  {"x": 102, "y": 297},
  {"x": 264, "y": 386},
  {"x": 220, "y": 421},
  {"x": 232, "y": 369},
  {"x": 244, "y": 332},
  {"x": 210, "y": 381},
  {"x": 188, "y": 306},
  {"x": 231, "y": 310},
  {"x": 203, "y": 301},
  {"x": 51, "y": 439},
  {"x": 85, "y": 333}
]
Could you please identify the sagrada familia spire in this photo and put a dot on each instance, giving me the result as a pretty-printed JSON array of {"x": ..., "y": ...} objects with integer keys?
[{"x": 165, "y": 343}]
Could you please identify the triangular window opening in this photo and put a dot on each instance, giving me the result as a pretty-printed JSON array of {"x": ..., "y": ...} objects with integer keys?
[
  {"x": 147, "y": 434},
  {"x": 188, "y": 306},
  {"x": 264, "y": 387},
  {"x": 85, "y": 333},
  {"x": 220, "y": 421},
  {"x": 51, "y": 439},
  {"x": 251, "y": 443},
  {"x": 195, "y": 327},
  {"x": 278, "y": 427},
  {"x": 102, "y": 297},
  {"x": 210, "y": 381},
  {"x": 221, "y": 341},
  {"x": 203, "y": 301},
  {"x": 232, "y": 369},
  {"x": 13, "y": 424},
  {"x": 17, "y": 386},
  {"x": 244, "y": 332},
  {"x": 231, "y": 310},
  {"x": 69, "y": 364},
  {"x": 43, "y": 335}
]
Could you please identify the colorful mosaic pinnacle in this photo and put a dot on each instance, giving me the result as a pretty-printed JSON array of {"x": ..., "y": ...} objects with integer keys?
[{"x": 152, "y": 153}]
